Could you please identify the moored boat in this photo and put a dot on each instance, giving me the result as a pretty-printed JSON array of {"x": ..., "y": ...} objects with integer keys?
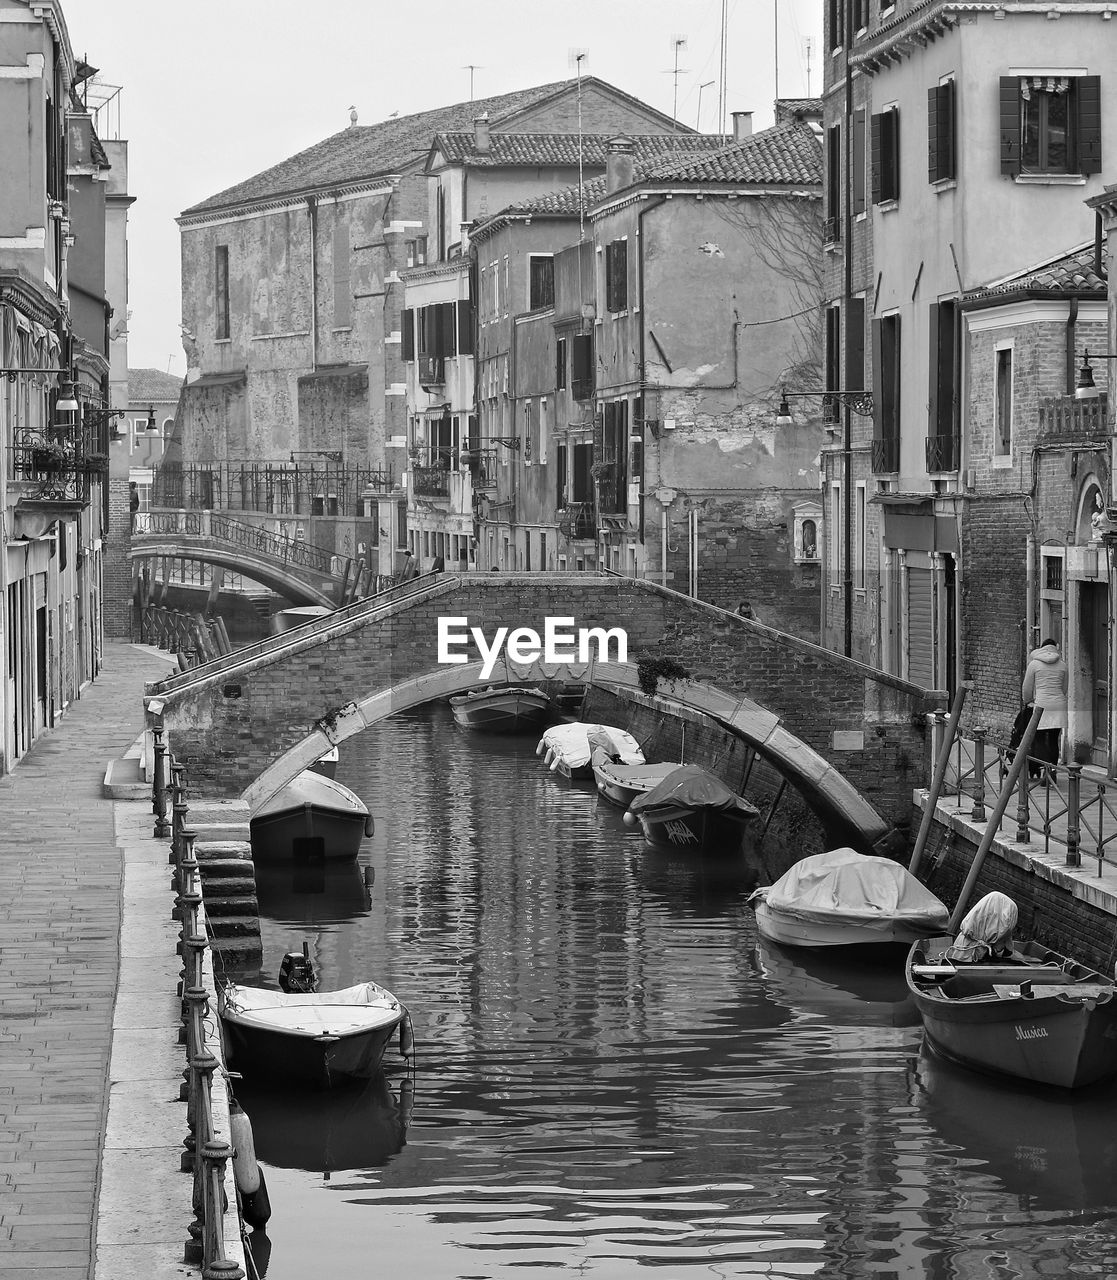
[
  {"x": 311, "y": 1037},
  {"x": 566, "y": 748},
  {"x": 622, "y": 783},
  {"x": 310, "y": 819},
  {"x": 692, "y": 811},
  {"x": 1019, "y": 1010},
  {"x": 843, "y": 898},
  {"x": 506, "y": 708}
]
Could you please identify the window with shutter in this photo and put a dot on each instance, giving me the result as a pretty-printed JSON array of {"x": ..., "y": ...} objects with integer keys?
[
  {"x": 560, "y": 364},
  {"x": 448, "y": 337},
  {"x": 541, "y": 281},
  {"x": 833, "y": 352},
  {"x": 941, "y": 135},
  {"x": 832, "y": 213},
  {"x": 855, "y": 345},
  {"x": 407, "y": 334},
  {"x": 616, "y": 275},
  {"x": 884, "y": 144},
  {"x": 1050, "y": 124},
  {"x": 886, "y": 394},
  {"x": 942, "y": 423},
  {"x": 581, "y": 371},
  {"x": 858, "y": 185},
  {"x": 465, "y": 326}
]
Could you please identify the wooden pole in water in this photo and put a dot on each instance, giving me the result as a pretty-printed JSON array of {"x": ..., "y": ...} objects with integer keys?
[
  {"x": 939, "y": 774},
  {"x": 1019, "y": 760}
]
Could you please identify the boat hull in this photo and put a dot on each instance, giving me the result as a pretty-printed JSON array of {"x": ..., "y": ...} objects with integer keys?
[
  {"x": 503, "y": 710},
  {"x": 621, "y": 784},
  {"x": 704, "y": 831},
  {"x": 790, "y": 931},
  {"x": 321, "y": 1061},
  {"x": 1064, "y": 1033},
  {"x": 308, "y": 832}
]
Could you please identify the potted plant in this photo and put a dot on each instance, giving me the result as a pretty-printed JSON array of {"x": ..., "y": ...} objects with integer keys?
[{"x": 51, "y": 455}]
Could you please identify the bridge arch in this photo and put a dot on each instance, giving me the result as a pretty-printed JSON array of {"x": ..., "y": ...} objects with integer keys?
[
  {"x": 850, "y": 738},
  {"x": 259, "y": 568}
]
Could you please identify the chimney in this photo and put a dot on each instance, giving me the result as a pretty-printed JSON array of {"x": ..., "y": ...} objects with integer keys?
[
  {"x": 742, "y": 125},
  {"x": 619, "y": 164},
  {"x": 481, "y": 134}
]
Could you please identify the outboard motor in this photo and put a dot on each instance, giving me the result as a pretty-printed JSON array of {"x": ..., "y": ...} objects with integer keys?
[{"x": 296, "y": 973}]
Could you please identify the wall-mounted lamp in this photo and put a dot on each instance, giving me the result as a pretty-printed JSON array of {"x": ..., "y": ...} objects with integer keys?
[
  {"x": 67, "y": 401},
  {"x": 333, "y": 455},
  {"x": 861, "y": 402},
  {"x": 1084, "y": 388}
]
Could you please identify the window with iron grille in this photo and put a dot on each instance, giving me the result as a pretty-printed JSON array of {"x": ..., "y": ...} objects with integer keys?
[{"x": 1052, "y": 573}]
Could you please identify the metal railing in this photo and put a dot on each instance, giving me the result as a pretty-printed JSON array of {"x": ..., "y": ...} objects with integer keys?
[
  {"x": 271, "y": 488},
  {"x": 886, "y": 455},
  {"x": 204, "y": 1154},
  {"x": 942, "y": 453},
  {"x": 1060, "y": 806},
  {"x": 245, "y": 537},
  {"x": 54, "y": 465},
  {"x": 576, "y": 520}
]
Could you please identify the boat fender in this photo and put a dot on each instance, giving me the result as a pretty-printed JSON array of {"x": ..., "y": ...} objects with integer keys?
[
  {"x": 540, "y": 746},
  {"x": 629, "y": 819},
  {"x": 554, "y": 764},
  {"x": 370, "y": 826},
  {"x": 549, "y": 757},
  {"x": 247, "y": 1174},
  {"x": 406, "y": 1036}
]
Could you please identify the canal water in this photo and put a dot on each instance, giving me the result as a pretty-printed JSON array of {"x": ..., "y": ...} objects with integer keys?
[{"x": 612, "y": 1073}]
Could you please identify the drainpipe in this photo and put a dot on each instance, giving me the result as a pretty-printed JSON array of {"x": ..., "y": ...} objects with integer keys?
[
  {"x": 1099, "y": 257},
  {"x": 1029, "y": 594},
  {"x": 646, "y": 207},
  {"x": 312, "y": 211},
  {"x": 1072, "y": 318},
  {"x": 847, "y": 291}
]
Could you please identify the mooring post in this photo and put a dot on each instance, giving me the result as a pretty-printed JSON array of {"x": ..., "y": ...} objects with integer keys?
[
  {"x": 977, "y": 813},
  {"x": 159, "y": 786},
  {"x": 179, "y": 808},
  {"x": 1074, "y": 814},
  {"x": 217, "y": 1267},
  {"x": 1023, "y": 810}
]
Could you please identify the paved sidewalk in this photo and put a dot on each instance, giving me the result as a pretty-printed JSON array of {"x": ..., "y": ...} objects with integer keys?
[{"x": 61, "y": 885}]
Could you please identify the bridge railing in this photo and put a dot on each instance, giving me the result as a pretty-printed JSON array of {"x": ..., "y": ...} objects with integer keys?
[
  {"x": 271, "y": 488},
  {"x": 1066, "y": 806},
  {"x": 244, "y": 537}
]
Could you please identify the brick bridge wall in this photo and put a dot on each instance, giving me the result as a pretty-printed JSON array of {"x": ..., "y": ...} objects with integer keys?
[{"x": 230, "y": 722}]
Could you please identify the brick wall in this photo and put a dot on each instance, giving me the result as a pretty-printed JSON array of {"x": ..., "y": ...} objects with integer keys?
[{"x": 117, "y": 566}]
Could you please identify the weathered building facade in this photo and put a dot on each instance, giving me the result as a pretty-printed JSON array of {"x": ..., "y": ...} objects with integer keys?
[
  {"x": 961, "y": 141},
  {"x": 54, "y": 358}
]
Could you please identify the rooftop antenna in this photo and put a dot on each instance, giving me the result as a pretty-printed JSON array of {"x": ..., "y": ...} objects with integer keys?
[
  {"x": 722, "y": 90},
  {"x": 471, "y": 67},
  {"x": 776, "y": 47},
  {"x": 679, "y": 42},
  {"x": 808, "y": 43},
  {"x": 577, "y": 57}
]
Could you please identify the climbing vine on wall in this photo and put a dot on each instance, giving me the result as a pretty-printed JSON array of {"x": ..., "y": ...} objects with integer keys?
[{"x": 651, "y": 670}]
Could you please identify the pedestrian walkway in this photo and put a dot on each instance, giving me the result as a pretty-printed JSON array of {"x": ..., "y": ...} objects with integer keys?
[{"x": 61, "y": 893}]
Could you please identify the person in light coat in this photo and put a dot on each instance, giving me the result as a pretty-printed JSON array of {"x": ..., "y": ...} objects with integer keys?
[{"x": 1045, "y": 686}]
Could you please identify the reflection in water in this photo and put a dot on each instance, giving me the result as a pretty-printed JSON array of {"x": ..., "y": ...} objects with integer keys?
[{"x": 613, "y": 1073}]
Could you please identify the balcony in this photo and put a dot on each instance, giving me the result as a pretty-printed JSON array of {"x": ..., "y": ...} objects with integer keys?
[
  {"x": 53, "y": 469},
  {"x": 886, "y": 455},
  {"x": 432, "y": 371},
  {"x": 483, "y": 467},
  {"x": 1065, "y": 418},
  {"x": 831, "y": 230},
  {"x": 575, "y": 520},
  {"x": 942, "y": 453}
]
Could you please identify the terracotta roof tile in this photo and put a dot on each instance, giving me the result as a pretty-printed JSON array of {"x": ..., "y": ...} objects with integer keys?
[
  {"x": 1071, "y": 272},
  {"x": 560, "y": 148},
  {"x": 150, "y": 386}
]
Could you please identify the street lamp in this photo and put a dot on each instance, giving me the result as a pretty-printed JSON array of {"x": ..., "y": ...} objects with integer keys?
[
  {"x": 861, "y": 402},
  {"x": 509, "y": 442},
  {"x": 332, "y": 455},
  {"x": 1084, "y": 388}
]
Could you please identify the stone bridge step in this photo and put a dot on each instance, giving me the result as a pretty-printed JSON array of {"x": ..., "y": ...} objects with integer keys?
[
  {"x": 222, "y": 906},
  {"x": 222, "y": 927},
  {"x": 209, "y": 852}
]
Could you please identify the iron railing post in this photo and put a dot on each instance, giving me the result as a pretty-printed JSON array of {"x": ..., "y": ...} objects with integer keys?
[
  {"x": 1074, "y": 783},
  {"x": 977, "y": 813}
]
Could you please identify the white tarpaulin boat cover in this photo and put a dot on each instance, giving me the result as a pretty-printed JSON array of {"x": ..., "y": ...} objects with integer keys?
[
  {"x": 986, "y": 930},
  {"x": 571, "y": 743},
  {"x": 850, "y": 885}
]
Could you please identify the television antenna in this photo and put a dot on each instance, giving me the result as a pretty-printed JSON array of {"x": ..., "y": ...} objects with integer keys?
[
  {"x": 576, "y": 58},
  {"x": 471, "y": 67},
  {"x": 678, "y": 42}
]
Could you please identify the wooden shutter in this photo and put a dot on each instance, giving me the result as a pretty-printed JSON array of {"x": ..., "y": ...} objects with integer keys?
[
  {"x": 560, "y": 476},
  {"x": 921, "y": 634},
  {"x": 934, "y": 97},
  {"x": 465, "y": 326},
  {"x": 448, "y": 339},
  {"x": 878, "y": 379},
  {"x": 833, "y": 352},
  {"x": 875, "y": 162},
  {"x": 859, "y": 162},
  {"x": 1088, "y": 91},
  {"x": 855, "y": 345},
  {"x": 890, "y": 154},
  {"x": 940, "y": 132},
  {"x": 1010, "y": 124},
  {"x": 407, "y": 333},
  {"x": 560, "y": 363},
  {"x": 833, "y": 210}
]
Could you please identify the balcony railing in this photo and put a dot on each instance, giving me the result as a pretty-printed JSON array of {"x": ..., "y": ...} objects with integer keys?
[
  {"x": 831, "y": 230},
  {"x": 582, "y": 388},
  {"x": 1064, "y": 418},
  {"x": 483, "y": 467},
  {"x": 575, "y": 520},
  {"x": 54, "y": 466},
  {"x": 942, "y": 453},
  {"x": 432, "y": 370},
  {"x": 886, "y": 455},
  {"x": 271, "y": 488}
]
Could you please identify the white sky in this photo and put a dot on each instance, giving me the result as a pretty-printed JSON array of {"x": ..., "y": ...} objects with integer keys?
[{"x": 214, "y": 91}]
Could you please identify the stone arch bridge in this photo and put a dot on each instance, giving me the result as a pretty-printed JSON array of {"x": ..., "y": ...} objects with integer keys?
[{"x": 851, "y": 739}]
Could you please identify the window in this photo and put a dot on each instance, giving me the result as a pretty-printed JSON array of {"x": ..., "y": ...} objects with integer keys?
[
  {"x": 465, "y": 326},
  {"x": 543, "y": 429},
  {"x": 832, "y": 355},
  {"x": 343, "y": 289},
  {"x": 616, "y": 275},
  {"x": 832, "y": 212},
  {"x": 560, "y": 364},
  {"x": 1002, "y": 411},
  {"x": 560, "y": 476},
  {"x": 860, "y": 537},
  {"x": 581, "y": 366},
  {"x": 221, "y": 291},
  {"x": 416, "y": 251},
  {"x": 835, "y": 532},
  {"x": 858, "y": 193},
  {"x": 941, "y": 132},
  {"x": 942, "y": 401},
  {"x": 886, "y": 394},
  {"x": 1050, "y": 124},
  {"x": 855, "y": 345},
  {"x": 541, "y": 281},
  {"x": 884, "y": 142},
  {"x": 835, "y": 22}
]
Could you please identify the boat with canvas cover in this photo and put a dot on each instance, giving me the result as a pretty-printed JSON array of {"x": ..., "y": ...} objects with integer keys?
[
  {"x": 843, "y": 898},
  {"x": 1014, "y": 1009},
  {"x": 505, "y": 708},
  {"x": 616, "y": 781},
  {"x": 692, "y": 811},
  {"x": 311, "y": 1037},
  {"x": 566, "y": 748},
  {"x": 310, "y": 819}
]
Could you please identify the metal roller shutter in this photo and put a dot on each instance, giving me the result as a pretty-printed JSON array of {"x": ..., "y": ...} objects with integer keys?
[{"x": 921, "y": 630}]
